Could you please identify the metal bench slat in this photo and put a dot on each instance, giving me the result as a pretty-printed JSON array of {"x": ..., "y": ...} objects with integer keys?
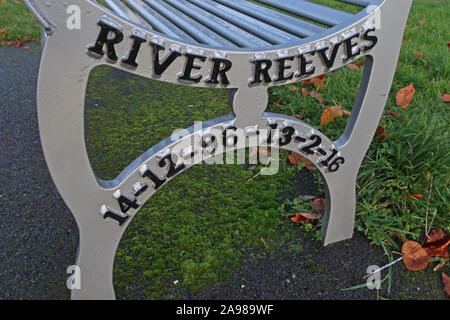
[
  {"x": 227, "y": 30},
  {"x": 361, "y": 3},
  {"x": 188, "y": 25},
  {"x": 158, "y": 22},
  {"x": 254, "y": 26},
  {"x": 122, "y": 10},
  {"x": 280, "y": 20},
  {"x": 311, "y": 11}
]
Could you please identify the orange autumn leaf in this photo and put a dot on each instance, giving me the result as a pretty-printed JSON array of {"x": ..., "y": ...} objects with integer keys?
[
  {"x": 354, "y": 67},
  {"x": 415, "y": 257},
  {"x": 3, "y": 31},
  {"x": 318, "y": 205},
  {"x": 327, "y": 117},
  {"x": 405, "y": 96},
  {"x": 305, "y": 217},
  {"x": 331, "y": 113},
  {"x": 437, "y": 236},
  {"x": 418, "y": 196},
  {"x": 293, "y": 88},
  {"x": 319, "y": 83},
  {"x": 442, "y": 251},
  {"x": 418, "y": 54},
  {"x": 314, "y": 80},
  {"x": 437, "y": 244},
  {"x": 445, "y": 97},
  {"x": 304, "y": 92},
  {"x": 295, "y": 159},
  {"x": 446, "y": 282}
]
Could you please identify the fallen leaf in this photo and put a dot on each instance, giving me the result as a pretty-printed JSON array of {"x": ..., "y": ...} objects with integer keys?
[
  {"x": 305, "y": 217},
  {"x": 436, "y": 237},
  {"x": 3, "y": 31},
  {"x": 423, "y": 21},
  {"x": 304, "y": 92},
  {"x": 446, "y": 282},
  {"x": 331, "y": 113},
  {"x": 445, "y": 97},
  {"x": 295, "y": 159},
  {"x": 318, "y": 205},
  {"x": 393, "y": 114},
  {"x": 18, "y": 43},
  {"x": 293, "y": 88},
  {"x": 418, "y": 54},
  {"x": 380, "y": 134},
  {"x": 437, "y": 244},
  {"x": 405, "y": 96},
  {"x": 415, "y": 257},
  {"x": 327, "y": 117},
  {"x": 442, "y": 251},
  {"x": 319, "y": 83},
  {"x": 354, "y": 67},
  {"x": 416, "y": 196}
]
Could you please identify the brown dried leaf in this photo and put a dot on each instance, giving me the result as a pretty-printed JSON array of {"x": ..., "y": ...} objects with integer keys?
[
  {"x": 331, "y": 113},
  {"x": 305, "y": 217},
  {"x": 380, "y": 134},
  {"x": 405, "y": 96},
  {"x": 446, "y": 282},
  {"x": 295, "y": 159},
  {"x": 436, "y": 237},
  {"x": 415, "y": 257}
]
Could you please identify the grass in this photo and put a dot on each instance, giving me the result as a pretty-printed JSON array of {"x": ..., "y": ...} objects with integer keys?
[
  {"x": 199, "y": 228},
  {"x": 17, "y": 23}
]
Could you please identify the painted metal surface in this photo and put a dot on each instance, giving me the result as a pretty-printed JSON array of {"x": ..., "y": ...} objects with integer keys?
[{"x": 103, "y": 209}]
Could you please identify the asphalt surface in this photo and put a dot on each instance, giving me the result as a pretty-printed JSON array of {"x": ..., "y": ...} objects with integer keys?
[{"x": 38, "y": 236}]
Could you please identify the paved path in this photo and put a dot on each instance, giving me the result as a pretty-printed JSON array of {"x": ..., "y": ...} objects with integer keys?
[{"x": 38, "y": 236}]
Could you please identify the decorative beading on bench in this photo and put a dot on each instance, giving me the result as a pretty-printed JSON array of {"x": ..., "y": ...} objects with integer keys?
[{"x": 242, "y": 45}]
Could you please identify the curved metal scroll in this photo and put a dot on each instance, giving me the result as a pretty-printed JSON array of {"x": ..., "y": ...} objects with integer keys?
[{"x": 103, "y": 211}]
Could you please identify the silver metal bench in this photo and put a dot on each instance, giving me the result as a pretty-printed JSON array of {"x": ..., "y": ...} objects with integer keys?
[{"x": 242, "y": 45}]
